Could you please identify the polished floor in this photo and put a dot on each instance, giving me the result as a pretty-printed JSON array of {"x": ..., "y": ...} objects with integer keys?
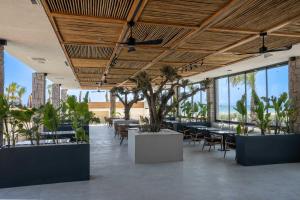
[{"x": 202, "y": 175}]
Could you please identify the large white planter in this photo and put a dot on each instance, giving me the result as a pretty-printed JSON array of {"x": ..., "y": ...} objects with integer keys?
[{"x": 149, "y": 147}]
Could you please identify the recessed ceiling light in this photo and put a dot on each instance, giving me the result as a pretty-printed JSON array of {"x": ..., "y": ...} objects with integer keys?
[
  {"x": 36, "y": 2},
  {"x": 39, "y": 59}
]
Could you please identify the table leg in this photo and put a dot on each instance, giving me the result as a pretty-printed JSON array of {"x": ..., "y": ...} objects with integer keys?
[{"x": 223, "y": 138}]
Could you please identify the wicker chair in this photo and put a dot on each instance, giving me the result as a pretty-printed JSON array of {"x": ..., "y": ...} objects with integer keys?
[
  {"x": 197, "y": 137},
  {"x": 106, "y": 120},
  {"x": 123, "y": 132},
  {"x": 211, "y": 140},
  {"x": 229, "y": 143}
]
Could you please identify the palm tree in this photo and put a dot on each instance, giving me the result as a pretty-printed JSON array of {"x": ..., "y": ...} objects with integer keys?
[
  {"x": 250, "y": 81},
  {"x": 11, "y": 91},
  {"x": 21, "y": 92}
]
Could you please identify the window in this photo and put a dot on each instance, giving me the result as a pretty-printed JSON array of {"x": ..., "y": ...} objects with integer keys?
[
  {"x": 277, "y": 83},
  {"x": 266, "y": 82},
  {"x": 237, "y": 90},
  {"x": 199, "y": 97},
  {"x": 256, "y": 81}
]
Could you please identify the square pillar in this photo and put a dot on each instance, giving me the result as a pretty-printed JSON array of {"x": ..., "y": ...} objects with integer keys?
[
  {"x": 63, "y": 95},
  {"x": 211, "y": 98},
  {"x": 294, "y": 88},
  {"x": 38, "y": 89},
  {"x": 55, "y": 95}
]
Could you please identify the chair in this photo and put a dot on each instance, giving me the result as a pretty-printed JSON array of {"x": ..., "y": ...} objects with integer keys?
[
  {"x": 229, "y": 143},
  {"x": 106, "y": 120},
  {"x": 197, "y": 137},
  {"x": 110, "y": 122},
  {"x": 185, "y": 131},
  {"x": 211, "y": 140},
  {"x": 123, "y": 133}
]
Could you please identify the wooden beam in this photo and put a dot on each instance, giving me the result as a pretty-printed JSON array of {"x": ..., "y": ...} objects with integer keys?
[
  {"x": 84, "y": 62},
  {"x": 216, "y": 17},
  {"x": 88, "y": 18},
  {"x": 285, "y": 35},
  {"x": 251, "y": 38},
  {"x": 58, "y": 35},
  {"x": 222, "y": 30},
  {"x": 134, "y": 14},
  {"x": 141, "y": 47},
  {"x": 100, "y": 63}
]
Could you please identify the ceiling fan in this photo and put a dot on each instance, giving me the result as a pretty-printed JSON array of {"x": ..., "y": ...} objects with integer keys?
[
  {"x": 131, "y": 41},
  {"x": 264, "y": 49},
  {"x": 98, "y": 91}
]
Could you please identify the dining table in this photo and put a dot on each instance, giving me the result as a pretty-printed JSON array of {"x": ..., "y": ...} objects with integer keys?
[
  {"x": 196, "y": 126},
  {"x": 224, "y": 134}
]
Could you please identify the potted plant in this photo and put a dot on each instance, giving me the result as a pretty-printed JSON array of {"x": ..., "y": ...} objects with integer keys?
[
  {"x": 71, "y": 161},
  {"x": 271, "y": 148},
  {"x": 123, "y": 94},
  {"x": 156, "y": 145},
  {"x": 158, "y": 101}
]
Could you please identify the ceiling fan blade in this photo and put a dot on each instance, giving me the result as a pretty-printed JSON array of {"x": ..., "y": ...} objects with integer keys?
[
  {"x": 150, "y": 42},
  {"x": 131, "y": 49},
  {"x": 281, "y": 49}
]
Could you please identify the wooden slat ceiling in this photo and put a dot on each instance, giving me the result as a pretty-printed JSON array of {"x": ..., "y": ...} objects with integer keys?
[{"x": 208, "y": 34}]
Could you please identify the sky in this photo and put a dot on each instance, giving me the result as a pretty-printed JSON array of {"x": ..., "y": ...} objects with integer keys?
[
  {"x": 19, "y": 72},
  {"x": 16, "y": 71}
]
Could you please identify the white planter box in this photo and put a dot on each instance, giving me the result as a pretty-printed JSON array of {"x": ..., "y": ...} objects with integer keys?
[{"x": 149, "y": 147}]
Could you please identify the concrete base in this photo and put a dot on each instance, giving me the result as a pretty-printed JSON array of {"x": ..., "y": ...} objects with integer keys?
[{"x": 148, "y": 147}]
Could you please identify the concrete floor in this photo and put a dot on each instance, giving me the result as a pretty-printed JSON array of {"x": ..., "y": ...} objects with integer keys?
[{"x": 202, "y": 175}]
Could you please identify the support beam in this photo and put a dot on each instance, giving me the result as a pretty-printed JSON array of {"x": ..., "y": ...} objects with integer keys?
[
  {"x": 38, "y": 89},
  {"x": 209, "y": 22},
  {"x": 222, "y": 30},
  {"x": 55, "y": 95},
  {"x": 294, "y": 89},
  {"x": 251, "y": 38},
  {"x": 134, "y": 13}
]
